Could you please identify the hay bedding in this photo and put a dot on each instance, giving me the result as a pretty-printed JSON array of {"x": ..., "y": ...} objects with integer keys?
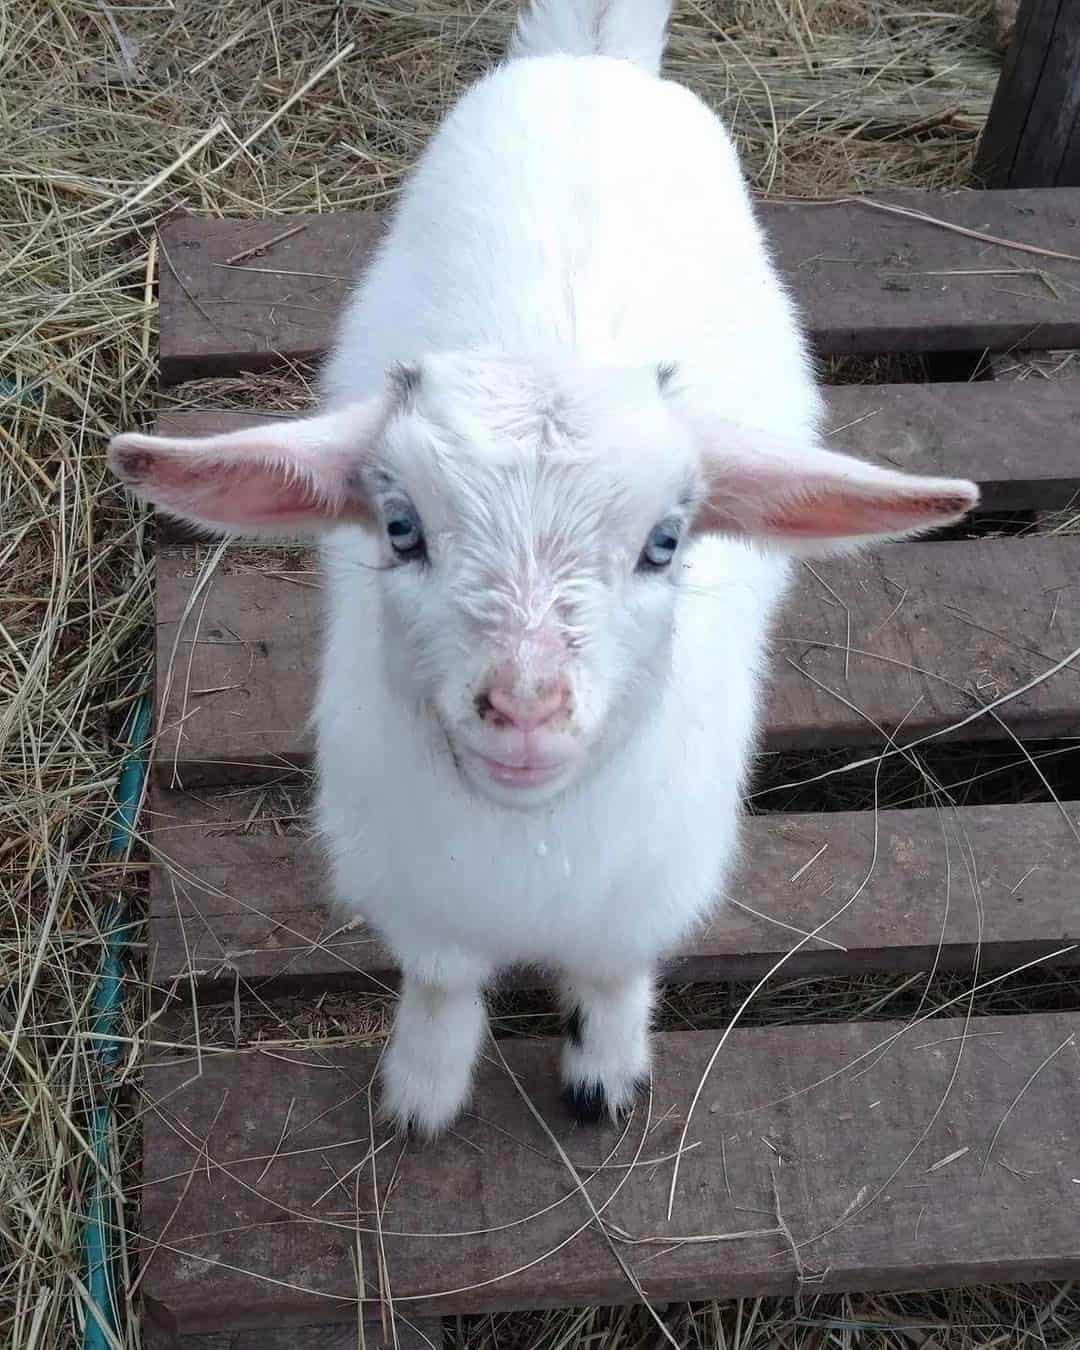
[{"x": 110, "y": 115}]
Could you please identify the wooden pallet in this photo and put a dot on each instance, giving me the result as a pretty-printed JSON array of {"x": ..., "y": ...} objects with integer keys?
[{"x": 844, "y": 1156}]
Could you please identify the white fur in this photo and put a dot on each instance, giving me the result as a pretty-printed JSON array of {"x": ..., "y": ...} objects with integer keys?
[
  {"x": 608, "y": 1057},
  {"x": 581, "y": 208},
  {"x": 633, "y": 29},
  {"x": 428, "y": 1063},
  {"x": 575, "y": 223}
]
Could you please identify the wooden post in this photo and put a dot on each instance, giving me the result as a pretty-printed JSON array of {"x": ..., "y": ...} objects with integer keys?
[{"x": 1032, "y": 136}]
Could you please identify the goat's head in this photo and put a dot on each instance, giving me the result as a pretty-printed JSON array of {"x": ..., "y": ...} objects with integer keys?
[{"x": 530, "y": 522}]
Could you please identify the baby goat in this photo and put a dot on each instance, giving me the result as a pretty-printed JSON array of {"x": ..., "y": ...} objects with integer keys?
[{"x": 570, "y": 446}]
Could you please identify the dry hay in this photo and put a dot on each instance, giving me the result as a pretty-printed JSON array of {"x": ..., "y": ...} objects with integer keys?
[
  {"x": 111, "y": 116},
  {"x": 960, "y": 1320}
]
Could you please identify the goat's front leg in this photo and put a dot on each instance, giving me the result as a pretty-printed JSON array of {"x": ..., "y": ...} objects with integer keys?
[
  {"x": 427, "y": 1068},
  {"x": 605, "y": 1061}
]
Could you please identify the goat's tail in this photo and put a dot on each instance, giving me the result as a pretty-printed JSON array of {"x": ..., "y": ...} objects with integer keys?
[{"x": 632, "y": 29}]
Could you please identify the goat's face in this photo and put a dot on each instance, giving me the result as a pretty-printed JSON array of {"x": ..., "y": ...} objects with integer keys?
[
  {"x": 531, "y": 528},
  {"x": 531, "y": 520}
]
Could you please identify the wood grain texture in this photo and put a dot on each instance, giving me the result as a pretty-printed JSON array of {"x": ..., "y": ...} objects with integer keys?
[
  {"x": 272, "y": 306},
  {"x": 239, "y": 897},
  {"x": 936, "y": 631},
  {"x": 1017, "y": 440},
  {"x": 866, "y": 280},
  {"x": 1032, "y": 135},
  {"x": 878, "y": 1174}
]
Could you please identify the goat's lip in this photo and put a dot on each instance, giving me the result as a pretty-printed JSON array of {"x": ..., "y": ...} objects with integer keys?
[{"x": 523, "y": 774}]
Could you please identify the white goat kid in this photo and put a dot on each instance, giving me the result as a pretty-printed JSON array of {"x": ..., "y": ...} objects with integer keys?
[{"x": 570, "y": 448}]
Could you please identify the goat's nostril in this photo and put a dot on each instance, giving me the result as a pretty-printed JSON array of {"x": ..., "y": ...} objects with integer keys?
[
  {"x": 526, "y": 714},
  {"x": 487, "y": 712}
]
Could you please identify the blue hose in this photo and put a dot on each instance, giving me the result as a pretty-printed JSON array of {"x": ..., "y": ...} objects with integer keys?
[{"x": 98, "y": 1239}]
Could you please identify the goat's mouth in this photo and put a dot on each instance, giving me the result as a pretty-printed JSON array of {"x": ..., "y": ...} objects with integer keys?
[
  {"x": 512, "y": 780},
  {"x": 523, "y": 774},
  {"x": 513, "y": 773}
]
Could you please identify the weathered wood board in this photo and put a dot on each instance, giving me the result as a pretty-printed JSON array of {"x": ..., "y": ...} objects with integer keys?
[
  {"x": 239, "y": 894},
  {"x": 936, "y": 631},
  {"x": 939, "y": 1155},
  {"x": 888, "y": 1169},
  {"x": 1018, "y": 440},
  {"x": 275, "y": 304},
  {"x": 1032, "y": 136},
  {"x": 867, "y": 280}
]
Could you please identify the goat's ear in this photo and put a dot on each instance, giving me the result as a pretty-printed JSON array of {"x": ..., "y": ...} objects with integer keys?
[
  {"x": 284, "y": 476},
  {"x": 794, "y": 494}
]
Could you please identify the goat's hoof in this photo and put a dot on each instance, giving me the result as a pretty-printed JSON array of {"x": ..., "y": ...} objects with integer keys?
[
  {"x": 586, "y": 1102},
  {"x": 590, "y": 1103}
]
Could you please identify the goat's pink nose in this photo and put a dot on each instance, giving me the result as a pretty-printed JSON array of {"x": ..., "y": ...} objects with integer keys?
[{"x": 526, "y": 713}]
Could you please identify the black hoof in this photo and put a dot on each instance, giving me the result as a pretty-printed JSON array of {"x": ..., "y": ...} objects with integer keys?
[
  {"x": 406, "y": 1130},
  {"x": 586, "y": 1102}
]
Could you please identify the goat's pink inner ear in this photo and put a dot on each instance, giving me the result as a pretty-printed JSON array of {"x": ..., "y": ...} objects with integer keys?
[
  {"x": 242, "y": 491},
  {"x": 295, "y": 474},
  {"x": 831, "y": 510},
  {"x": 785, "y": 492}
]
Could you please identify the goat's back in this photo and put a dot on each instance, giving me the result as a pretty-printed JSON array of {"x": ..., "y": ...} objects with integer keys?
[{"x": 579, "y": 205}]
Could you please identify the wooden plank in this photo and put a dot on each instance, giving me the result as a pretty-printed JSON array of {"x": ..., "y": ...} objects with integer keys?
[
  {"x": 866, "y": 280},
  {"x": 1017, "y": 439},
  {"x": 258, "y": 1174},
  {"x": 936, "y": 630},
  {"x": 234, "y": 898},
  {"x": 1032, "y": 136},
  {"x": 236, "y": 669},
  {"x": 239, "y": 894},
  {"x": 872, "y": 281},
  {"x": 269, "y": 307}
]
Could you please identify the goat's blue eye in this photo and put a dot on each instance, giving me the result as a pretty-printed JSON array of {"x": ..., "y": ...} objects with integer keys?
[
  {"x": 404, "y": 531},
  {"x": 660, "y": 547}
]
